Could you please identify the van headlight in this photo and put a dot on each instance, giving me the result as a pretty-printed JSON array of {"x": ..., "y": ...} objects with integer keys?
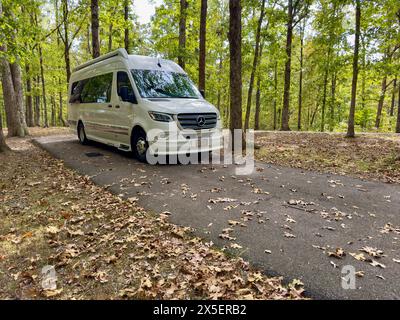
[{"x": 162, "y": 117}]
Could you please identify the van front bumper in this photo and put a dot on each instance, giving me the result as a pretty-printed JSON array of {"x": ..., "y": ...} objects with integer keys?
[{"x": 187, "y": 142}]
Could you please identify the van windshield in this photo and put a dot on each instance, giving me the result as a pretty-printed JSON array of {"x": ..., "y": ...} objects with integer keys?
[{"x": 163, "y": 84}]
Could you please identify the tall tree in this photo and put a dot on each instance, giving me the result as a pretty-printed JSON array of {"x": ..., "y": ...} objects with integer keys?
[
  {"x": 254, "y": 68},
  {"x": 398, "y": 113},
  {"x": 350, "y": 128},
  {"x": 11, "y": 79},
  {"x": 182, "y": 33},
  {"x": 94, "y": 8},
  {"x": 258, "y": 92},
  {"x": 202, "y": 45},
  {"x": 235, "y": 48},
  {"x": 300, "y": 98},
  {"x": 126, "y": 19},
  {"x": 393, "y": 103},
  {"x": 297, "y": 10}
]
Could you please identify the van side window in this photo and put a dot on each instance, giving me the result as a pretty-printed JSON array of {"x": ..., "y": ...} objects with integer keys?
[
  {"x": 97, "y": 89},
  {"x": 76, "y": 91},
  {"x": 124, "y": 88}
]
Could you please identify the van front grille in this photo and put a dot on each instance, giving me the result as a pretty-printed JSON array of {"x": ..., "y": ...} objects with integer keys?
[{"x": 197, "y": 121}]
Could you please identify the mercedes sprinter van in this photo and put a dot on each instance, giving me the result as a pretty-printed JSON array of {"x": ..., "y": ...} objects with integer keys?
[{"x": 141, "y": 104}]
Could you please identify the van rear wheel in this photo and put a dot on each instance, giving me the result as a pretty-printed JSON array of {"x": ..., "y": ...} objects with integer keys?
[
  {"x": 140, "y": 146},
  {"x": 82, "y": 134}
]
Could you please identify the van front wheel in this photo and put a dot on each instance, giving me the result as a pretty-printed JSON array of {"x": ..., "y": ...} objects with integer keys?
[{"x": 140, "y": 146}]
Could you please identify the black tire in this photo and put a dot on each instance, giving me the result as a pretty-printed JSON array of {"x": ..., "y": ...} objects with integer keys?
[
  {"x": 82, "y": 134},
  {"x": 140, "y": 146}
]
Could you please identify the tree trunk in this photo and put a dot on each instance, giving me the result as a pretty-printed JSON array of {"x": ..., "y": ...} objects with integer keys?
[
  {"x": 126, "y": 19},
  {"x": 392, "y": 105},
  {"x": 380, "y": 103},
  {"x": 12, "y": 92},
  {"x": 286, "y": 90},
  {"x": 258, "y": 93},
  {"x": 350, "y": 129},
  {"x": 202, "y": 45},
  {"x": 94, "y": 8},
  {"x": 28, "y": 97},
  {"x": 275, "y": 93},
  {"x": 235, "y": 48},
  {"x": 110, "y": 38},
  {"x": 37, "y": 103},
  {"x": 300, "y": 101},
  {"x": 333, "y": 102},
  {"x": 254, "y": 68},
  {"x": 53, "y": 111},
  {"x": 182, "y": 33},
  {"x": 398, "y": 114},
  {"x": 66, "y": 40},
  {"x": 3, "y": 145},
  {"x": 325, "y": 92},
  {"x": 46, "y": 120}
]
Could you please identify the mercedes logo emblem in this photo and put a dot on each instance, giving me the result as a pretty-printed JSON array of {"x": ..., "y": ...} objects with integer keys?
[{"x": 201, "y": 121}]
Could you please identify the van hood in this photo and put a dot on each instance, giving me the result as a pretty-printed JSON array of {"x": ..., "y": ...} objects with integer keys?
[{"x": 175, "y": 106}]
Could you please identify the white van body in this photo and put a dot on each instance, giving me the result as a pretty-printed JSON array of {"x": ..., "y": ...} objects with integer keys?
[{"x": 116, "y": 96}]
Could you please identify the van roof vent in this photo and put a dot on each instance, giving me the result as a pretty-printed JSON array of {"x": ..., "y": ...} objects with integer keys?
[{"x": 120, "y": 52}]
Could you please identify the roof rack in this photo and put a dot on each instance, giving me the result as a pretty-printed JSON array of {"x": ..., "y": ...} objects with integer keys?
[{"x": 119, "y": 52}]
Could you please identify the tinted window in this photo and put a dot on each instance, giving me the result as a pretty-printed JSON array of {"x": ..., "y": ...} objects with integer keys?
[
  {"x": 124, "y": 87},
  {"x": 163, "y": 84},
  {"x": 76, "y": 91},
  {"x": 93, "y": 90},
  {"x": 97, "y": 89}
]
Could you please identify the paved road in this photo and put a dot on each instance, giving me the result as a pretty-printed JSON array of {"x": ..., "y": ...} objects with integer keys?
[{"x": 321, "y": 211}]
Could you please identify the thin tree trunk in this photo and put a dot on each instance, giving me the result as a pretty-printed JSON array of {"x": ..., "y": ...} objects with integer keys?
[
  {"x": 60, "y": 106},
  {"x": 182, "y": 33},
  {"x": 126, "y": 19},
  {"x": 66, "y": 40},
  {"x": 28, "y": 97},
  {"x": 202, "y": 45},
  {"x": 110, "y": 38},
  {"x": 46, "y": 120},
  {"x": 254, "y": 68},
  {"x": 286, "y": 90},
  {"x": 380, "y": 103},
  {"x": 325, "y": 88},
  {"x": 300, "y": 101},
  {"x": 94, "y": 8},
  {"x": 398, "y": 114},
  {"x": 350, "y": 129},
  {"x": 333, "y": 102},
  {"x": 275, "y": 93},
  {"x": 88, "y": 44},
  {"x": 258, "y": 93},
  {"x": 392, "y": 105},
  {"x": 235, "y": 48},
  {"x": 37, "y": 103},
  {"x": 53, "y": 111}
]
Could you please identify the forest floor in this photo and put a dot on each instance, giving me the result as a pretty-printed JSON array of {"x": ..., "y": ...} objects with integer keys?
[
  {"x": 371, "y": 156},
  {"x": 104, "y": 247}
]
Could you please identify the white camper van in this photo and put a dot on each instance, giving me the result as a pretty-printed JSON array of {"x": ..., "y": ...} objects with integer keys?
[{"x": 141, "y": 104}]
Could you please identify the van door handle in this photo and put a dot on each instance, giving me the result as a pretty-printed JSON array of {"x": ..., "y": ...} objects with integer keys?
[
  {"x": 117, "y": 106},
  {"x": 110, "y": 105}
]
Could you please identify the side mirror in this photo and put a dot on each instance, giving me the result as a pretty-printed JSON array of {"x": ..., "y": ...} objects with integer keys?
[{"x": 203, "y": 93}]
